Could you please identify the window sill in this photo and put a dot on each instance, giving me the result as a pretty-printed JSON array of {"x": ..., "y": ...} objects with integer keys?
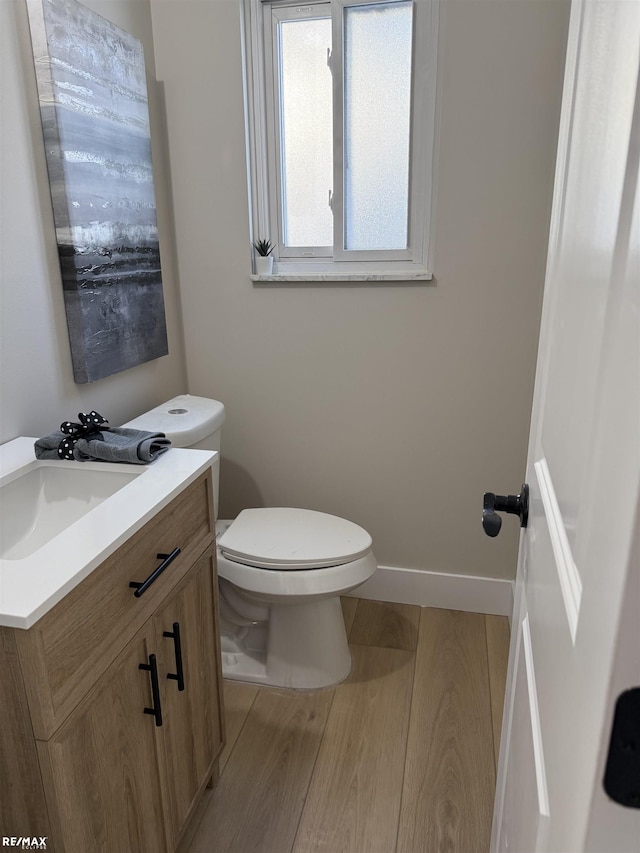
[{"x": 277, "y": 277}]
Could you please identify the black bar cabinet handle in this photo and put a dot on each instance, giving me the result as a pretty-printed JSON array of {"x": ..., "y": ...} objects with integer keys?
[
  {"x": 140, "y": 588},
  {"x": 178, "y": 675},
  {"x": 152, "y": 667}
]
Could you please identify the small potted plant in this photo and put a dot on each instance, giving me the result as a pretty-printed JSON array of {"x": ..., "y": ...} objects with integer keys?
[{"x": 263, "y": 256}]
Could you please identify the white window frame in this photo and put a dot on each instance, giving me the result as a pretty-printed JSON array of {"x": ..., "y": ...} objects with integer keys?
[
  {"x": 263, "y": 153},
  {"x": 282, "y": 12}
]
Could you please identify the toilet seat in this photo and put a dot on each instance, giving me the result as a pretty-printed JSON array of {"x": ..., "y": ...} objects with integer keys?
[
  {"x": 282, "y": 538},
  {"x": 275, "y": 587}
]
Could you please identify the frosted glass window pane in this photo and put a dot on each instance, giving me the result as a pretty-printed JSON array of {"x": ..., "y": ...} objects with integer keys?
[
  {"x": 306, "y": 128},
  {"x": 377, "y": 107}
]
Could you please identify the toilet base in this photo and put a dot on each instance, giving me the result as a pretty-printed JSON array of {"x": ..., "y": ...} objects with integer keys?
[{"x": 303, "y": 646}]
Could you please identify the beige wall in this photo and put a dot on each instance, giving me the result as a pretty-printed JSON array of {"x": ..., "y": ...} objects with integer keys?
[
  {"x": 37, "y": 390},
  {"x": 395, "y": 406}
]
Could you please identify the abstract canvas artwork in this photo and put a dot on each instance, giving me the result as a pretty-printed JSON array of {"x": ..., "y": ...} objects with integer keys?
[{"x": 95, "y": 119}]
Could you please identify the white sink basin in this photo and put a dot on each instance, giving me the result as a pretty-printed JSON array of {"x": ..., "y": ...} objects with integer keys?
[
  {"x": 46, "y": 498},
  {"x": 60, "y": 520}
]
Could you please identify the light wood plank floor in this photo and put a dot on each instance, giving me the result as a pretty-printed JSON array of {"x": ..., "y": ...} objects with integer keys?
[{"x": 399, "y": 758}]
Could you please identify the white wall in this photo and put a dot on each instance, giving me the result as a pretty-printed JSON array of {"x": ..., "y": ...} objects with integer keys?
[
  {"x": 37, "y": 390},
  {"x": 395, "y": 406}
]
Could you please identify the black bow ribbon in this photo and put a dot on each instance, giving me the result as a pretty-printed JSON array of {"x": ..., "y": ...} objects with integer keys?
[{"x": 88, "y": 427}]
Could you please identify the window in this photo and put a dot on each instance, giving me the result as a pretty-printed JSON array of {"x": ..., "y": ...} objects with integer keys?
[{"x": 340, "y": 102}]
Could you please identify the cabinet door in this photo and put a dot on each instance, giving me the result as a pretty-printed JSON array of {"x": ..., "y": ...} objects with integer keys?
[
  {"x": 192, "y": 730},
  {"x": 102, "y": 778}
]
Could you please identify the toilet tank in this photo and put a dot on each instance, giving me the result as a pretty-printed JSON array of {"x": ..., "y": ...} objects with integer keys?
[{"x": 188, "y": 421}]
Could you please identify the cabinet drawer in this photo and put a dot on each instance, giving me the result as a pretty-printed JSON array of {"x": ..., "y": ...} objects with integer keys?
[{"x": 67, "y": 650}]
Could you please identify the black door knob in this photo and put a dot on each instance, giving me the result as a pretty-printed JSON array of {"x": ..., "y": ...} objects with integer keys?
[{"x": 513, "y": 504}]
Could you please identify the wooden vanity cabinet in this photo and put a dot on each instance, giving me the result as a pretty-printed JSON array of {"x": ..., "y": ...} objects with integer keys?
[{"x": 123, "y": 749}]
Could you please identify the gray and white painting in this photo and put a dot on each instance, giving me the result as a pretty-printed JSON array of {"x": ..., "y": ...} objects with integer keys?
[{"x": 95, "y": 119}]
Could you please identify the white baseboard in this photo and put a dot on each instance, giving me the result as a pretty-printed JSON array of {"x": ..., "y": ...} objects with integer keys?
[{"x": 438, "y": 589}]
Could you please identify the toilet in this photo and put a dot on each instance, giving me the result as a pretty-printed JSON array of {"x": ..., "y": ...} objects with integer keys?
[{"x": 281, "y": 571}]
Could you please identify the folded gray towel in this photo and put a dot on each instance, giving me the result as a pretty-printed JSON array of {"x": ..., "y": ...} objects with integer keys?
[{"x": 110, "y": 445}]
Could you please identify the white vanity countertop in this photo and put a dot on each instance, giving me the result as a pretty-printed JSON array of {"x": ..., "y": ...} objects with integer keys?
[{"x": 31, "y": 586}]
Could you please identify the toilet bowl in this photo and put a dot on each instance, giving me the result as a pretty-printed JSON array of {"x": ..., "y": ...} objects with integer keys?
[
  {"x": 284, "y": 570},
  {"x": 281, "y": 572}
]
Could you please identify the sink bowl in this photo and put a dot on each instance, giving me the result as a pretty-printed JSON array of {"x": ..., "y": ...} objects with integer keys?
[
  {"x": 47, "y": 498},
  {"x": 59, "y": 520}
]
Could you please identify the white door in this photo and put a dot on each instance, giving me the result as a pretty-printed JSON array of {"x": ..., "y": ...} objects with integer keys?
[{"x": 578, "y": 560}]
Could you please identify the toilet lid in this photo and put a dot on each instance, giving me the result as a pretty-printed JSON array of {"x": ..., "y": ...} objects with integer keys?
[{"x": 280, "y": 538}]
